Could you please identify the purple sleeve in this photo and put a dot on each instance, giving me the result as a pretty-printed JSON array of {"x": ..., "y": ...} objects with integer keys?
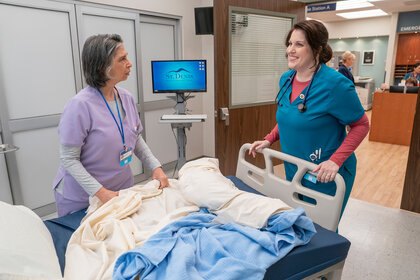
[{"x": 74, "y": 123}]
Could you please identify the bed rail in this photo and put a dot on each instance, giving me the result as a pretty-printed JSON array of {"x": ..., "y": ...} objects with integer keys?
[{"x": 327, "y": 210}]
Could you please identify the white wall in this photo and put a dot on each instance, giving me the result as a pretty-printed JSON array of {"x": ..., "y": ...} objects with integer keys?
[
  {"x": 207, "y": 46},
  {"x": 377, "y": 26},
  {"x": 200, "y": 139},
  {"x": 392, "y": 50},
  {"x": 370, "y": 27}
]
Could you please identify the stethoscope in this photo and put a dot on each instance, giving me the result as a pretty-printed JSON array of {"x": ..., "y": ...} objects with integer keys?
[
  {"x": 414, "y": 76},
  {"x": 301, "y": 106}
]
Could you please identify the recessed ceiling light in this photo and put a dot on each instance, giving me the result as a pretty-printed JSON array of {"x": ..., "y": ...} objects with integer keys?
[
  {"x": 363, "y": 14},
  {"x": 352, "y": 4}
]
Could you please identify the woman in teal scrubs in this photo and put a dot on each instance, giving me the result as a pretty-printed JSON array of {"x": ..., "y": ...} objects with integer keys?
[
  {"x": 415, "y": 74},
  {"x": 314, "y": 105}
]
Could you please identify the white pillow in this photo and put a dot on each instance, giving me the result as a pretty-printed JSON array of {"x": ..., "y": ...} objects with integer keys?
[{"x": 26, "y": 247}]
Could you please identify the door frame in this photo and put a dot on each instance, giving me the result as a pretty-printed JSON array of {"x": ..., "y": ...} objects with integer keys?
[{"x": 260, "y": 119}]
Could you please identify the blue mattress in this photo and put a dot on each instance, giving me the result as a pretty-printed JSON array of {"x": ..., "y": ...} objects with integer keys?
[
  {"x": 61, "y": 230},
  {"x": 325, "y": 249}
]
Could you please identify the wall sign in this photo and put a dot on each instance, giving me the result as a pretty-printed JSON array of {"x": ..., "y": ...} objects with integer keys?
[
  {"x": 321, "y": 8},
  {"x": 368, "y": 57},
  {"x": 408, "y": 22}
]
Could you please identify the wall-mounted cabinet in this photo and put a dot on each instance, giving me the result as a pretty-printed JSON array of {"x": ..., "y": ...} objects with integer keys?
[
  {"x": 408, "y": 51},
  {"x": 408, "y": 54}
]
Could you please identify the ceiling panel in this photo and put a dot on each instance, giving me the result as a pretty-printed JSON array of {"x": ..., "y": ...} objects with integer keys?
[{"x": 389, "y": 6}]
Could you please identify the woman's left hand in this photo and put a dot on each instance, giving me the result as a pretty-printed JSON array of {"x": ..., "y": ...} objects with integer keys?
[
  {"x": 159, "y": 175},
  {"x": 326, "y": 171}
]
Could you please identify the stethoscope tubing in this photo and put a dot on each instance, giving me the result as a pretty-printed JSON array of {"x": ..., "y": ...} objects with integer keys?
[{"x": 289, "y": 81}]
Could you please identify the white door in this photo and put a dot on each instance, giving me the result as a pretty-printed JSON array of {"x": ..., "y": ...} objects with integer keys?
[
  {"x": 39, "y": 72},
  {"x": 160, "y": 39}
]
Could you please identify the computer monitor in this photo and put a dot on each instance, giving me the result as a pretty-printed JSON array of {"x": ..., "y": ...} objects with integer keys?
[
  {"x": 402, "y": 89},
  {"x": 412, "y": 90},
  {"x": 179, "y": 76}
]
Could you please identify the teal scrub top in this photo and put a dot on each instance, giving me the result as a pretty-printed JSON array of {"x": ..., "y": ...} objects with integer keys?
[
  {"x": 314, "y": 135},
  {"x": 411, "y": 74}
]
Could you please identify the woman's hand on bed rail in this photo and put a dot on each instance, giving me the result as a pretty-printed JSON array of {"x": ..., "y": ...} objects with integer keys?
[
  {"x": 159, "y": 175},
  {"x": 104, "y": 195},
  {"x": 258, "y": 145},
  {"x": 326, "y": 171}
]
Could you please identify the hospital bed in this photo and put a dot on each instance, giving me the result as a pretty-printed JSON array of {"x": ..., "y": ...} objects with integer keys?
[{"x": 324, "y": 255}]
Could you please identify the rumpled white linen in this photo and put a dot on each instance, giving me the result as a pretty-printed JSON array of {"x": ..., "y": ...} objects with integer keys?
[
  {"x": 128, "y": 220},
  {"x": 204, "y": 184}
]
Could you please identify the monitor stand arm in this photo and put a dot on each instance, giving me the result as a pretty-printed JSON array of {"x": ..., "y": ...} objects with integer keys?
[
  {"x": 180, "y": 109},
  {"x": 180, "y": 100}
]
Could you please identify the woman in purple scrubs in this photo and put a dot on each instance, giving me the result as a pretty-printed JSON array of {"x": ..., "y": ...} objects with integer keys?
[{"x": 100, "y": 130}]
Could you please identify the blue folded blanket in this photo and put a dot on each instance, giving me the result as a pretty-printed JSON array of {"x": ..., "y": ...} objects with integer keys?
[{"x": 195, "y": 248}]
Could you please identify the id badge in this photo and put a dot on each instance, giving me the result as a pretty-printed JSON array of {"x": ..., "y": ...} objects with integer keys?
[
  {"x": 310, "y": 176},
  {"x": 125, "y": 156}
]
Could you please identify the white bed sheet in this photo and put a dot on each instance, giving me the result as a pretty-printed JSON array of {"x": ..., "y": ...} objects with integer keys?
[{"x": 127, "y": 221}]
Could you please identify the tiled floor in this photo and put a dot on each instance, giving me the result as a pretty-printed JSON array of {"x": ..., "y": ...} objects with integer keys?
[{"x": 385, "y": 242}]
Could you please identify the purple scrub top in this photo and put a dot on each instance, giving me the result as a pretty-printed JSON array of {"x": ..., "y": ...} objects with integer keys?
[{"x": 87, "y": 123}]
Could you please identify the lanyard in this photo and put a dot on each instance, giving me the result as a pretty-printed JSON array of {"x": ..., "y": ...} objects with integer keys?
[{"x": 121, "y": 130}]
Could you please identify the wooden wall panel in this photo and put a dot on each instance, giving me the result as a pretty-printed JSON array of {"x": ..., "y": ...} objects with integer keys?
[
  {"x": 408, "y": 51},
  {"x": 392, "y": 118},
  {"x": 255, "y": 125},
  {"x": 411, "y": 194}
]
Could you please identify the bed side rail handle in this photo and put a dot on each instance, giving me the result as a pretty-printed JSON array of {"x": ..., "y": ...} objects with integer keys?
[{"x": 327, "y": 210}]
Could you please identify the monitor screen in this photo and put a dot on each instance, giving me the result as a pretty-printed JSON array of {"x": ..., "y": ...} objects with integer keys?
[
  {"x": 179, "y": 76},
  {"x": 412, "y": 89},
  {"x": 402, "y": 89}
]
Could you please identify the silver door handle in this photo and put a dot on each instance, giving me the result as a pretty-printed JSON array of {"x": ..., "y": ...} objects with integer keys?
[
  {"x": 224, "y": 115},
  {"x": 6, "y": 148}
]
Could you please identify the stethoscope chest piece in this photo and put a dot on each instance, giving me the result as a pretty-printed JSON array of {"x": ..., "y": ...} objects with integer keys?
[{"x": 302, "y": 107}]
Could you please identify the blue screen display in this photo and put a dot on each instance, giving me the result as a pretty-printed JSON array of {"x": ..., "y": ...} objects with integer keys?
[{"x": 179, "y": 76}]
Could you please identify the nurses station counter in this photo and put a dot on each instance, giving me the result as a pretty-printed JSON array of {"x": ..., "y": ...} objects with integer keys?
[{"x": 392, "y": 117}]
